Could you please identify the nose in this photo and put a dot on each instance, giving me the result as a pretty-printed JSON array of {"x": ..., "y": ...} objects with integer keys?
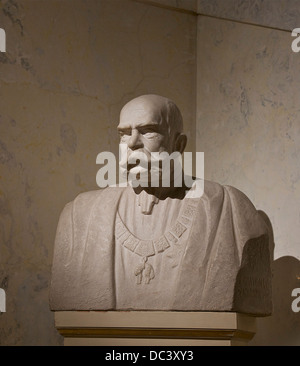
[{"x": 135, "y": 141}]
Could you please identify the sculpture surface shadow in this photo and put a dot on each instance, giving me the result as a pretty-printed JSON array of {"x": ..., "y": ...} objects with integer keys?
[
  {"x": 253, "y": 287},
  {"x": 282, "y": 328}
]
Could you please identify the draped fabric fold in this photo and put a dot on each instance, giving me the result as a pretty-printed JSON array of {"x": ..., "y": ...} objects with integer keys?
[{"x": 225, "y": 265}]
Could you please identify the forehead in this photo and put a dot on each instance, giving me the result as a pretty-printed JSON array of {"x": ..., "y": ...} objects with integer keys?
[{"x": 141, "y": 113}]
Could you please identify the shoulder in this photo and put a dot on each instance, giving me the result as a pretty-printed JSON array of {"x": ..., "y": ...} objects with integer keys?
[
  {"x": 82, "y": 199},
  {"x": 90, "y": 197},
  {"x": 218, "y": 197},
  {"x": 85, "y": 201},
  {"x": 238, "y": 198},
  {"x": 81, "y": 202},
  {"x": 206, "y": 190},
  {"x": 249, "y": 218},
  {"x": 234, "y": 191},
  {"x": 213, "y": 190}
]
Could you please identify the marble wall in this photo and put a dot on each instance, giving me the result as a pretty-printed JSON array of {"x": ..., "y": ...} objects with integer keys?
[
  {"x": 248, "y": 125},
  {"x": 280, "y": 14},
  {"x": 181, "y": 5},
  {"x": 67, "y": 72},
  {"x": 68, "y": 69}
]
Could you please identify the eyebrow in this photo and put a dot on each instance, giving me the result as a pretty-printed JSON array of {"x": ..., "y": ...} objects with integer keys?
[{"x": 141, "y": 126}]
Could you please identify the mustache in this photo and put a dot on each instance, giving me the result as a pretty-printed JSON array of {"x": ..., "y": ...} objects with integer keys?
[
  {"x": 133, "y": 158},
  {"x": 135, "y": 164},
  {"x": 139, "y": 163}
]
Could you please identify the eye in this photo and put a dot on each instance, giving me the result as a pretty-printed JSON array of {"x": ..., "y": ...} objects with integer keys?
[
  {"x": 123, "y": 133},
  {"x": 148, "y": 131}
]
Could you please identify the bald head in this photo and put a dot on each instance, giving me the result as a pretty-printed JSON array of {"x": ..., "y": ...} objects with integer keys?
[{"x": 153, "y": 110}]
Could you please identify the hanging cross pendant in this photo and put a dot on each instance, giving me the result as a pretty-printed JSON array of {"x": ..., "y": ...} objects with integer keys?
[{"x": 144, "y": 272}]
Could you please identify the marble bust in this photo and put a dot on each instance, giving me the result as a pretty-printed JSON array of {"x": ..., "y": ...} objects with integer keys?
[{"x": 155, "y": 248}]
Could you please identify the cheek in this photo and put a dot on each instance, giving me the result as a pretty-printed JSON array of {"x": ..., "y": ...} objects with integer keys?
[{"x": 155, "y": 144}]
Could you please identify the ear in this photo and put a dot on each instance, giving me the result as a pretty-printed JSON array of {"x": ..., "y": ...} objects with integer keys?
[{"x": 180, "y": 143}]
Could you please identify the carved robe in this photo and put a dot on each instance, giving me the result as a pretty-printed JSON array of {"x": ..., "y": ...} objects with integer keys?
[{"x": 203, "y": 254}]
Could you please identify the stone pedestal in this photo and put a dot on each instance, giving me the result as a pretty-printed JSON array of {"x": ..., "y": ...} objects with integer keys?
[{"x": 154, "y": 328}]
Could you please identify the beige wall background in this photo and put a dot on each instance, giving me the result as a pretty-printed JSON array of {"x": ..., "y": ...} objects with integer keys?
[
  {"x": 69, "y": 68},
  {"x": 248, "y": 125},
  {"x": 66, "y": 74}
]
